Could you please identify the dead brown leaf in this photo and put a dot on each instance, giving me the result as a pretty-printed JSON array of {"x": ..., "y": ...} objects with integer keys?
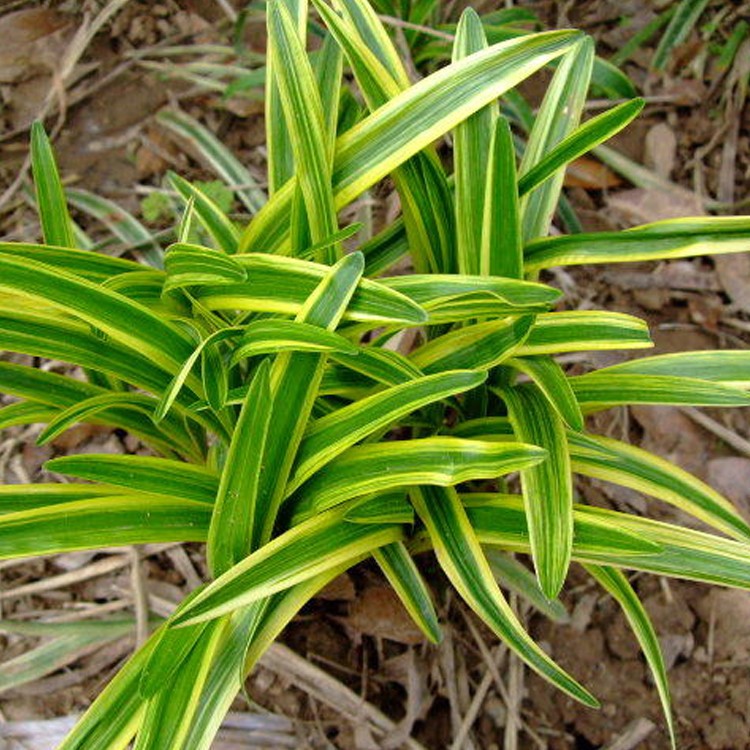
[
  {"x": 644, "y": 205},
  {"x": 661, "y": 149},
  {"x": 590, "y": 174},
  {"x": 28, "y": 46},
  {"x": 730, "y": 475},
  {"x": 378, "y": 612},
  {"x": 734, "y": 275}
]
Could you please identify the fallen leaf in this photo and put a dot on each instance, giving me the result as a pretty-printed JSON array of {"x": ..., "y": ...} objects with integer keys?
[
  {"x": 644, "y": 205},
  {"x": 730, "y": 611},
  {"x": 661, "y": 149},
  {"x": 28, "y": 47},
  {"x": 378, "y": 612},
  {"x": 734, "y": 276},
  {"x": 730, "y": 475},
  {"x": 590, "y": 174}
]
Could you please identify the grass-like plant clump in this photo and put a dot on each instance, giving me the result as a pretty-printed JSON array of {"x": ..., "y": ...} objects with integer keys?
[{"x": 266, "y": 368}]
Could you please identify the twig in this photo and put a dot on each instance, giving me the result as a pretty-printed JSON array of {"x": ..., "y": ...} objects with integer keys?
[
  {"x": 326, "y": 689},
  {"x": 140, "y": 597},
  {"x": 740, "y": 444},
  {"x": 633, "y": 734}
]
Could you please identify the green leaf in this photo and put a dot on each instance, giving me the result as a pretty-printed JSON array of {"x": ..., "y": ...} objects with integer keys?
[
  {"x": 328, "y": 436},
  {"x": 414, "y": 119},
  {"x": 584, "y": 330},
  {"x": 547, "y": 487},
  {"x": 160, "y": 476},
  {"x": 478, "y": 346},
  {"x": 729, "y": 367},
  {"x": 102, "y": 522},
  {"x": 213, "y": 219},
  {"x": 461, "y": 557},
  {"x": 597, "y": 391},
  {"x": 629, "y": 466},
  {"x": 122, "y": 224},
  {"x": 593, "y": 132},
  {"x": 217, "y": 155},
  {"x": 501, "y": 251},
  {"x": 378, "y": 467},
  {"x": 399, "y": 568},
  {"x": 471, "y": 148},
  {"x": 559, "y": 114},
  {"x": 514, "y": 575},
  {"x": 553, "y": 383},
  {"x": 57, "y": 227},
  {"x": 282, "y": 285},
  {"x": 305, "y": 551},
  {"x": 230, "y": 535},
  {"x": 669, "y": 239}
]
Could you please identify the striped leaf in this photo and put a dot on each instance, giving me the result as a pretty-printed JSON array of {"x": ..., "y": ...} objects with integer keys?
[
  {"x": 303, "y": 112},
  {"x": 552, "y": 382},
  {"x": 729, "y": 367},
  {"x": 584, "y": 330},
  {"x": 378, "y": 467},
  {"x": 593, "y": 132},
  {"x": 230, "y": 535},
  {"x": 461, "y": 557},
  {"x": 501, "y": 250},
  {"x": 597, "y": 391},
  {"x": 303, "y": 552},
  {"x": 218, "y": 225},
  {"x": 160, "y": 476},
  {"x": 57, "y": 227},
  {"x": 559, "y": 115},
  {"x": 270, "y": 336},
  {"x": 102, "y": 522},
  {"x": 328, "y": 436},
  {"x": 211, "y": 150},
  {"x": 282, "y": 285},
  {"x": 414, "y": 119},
  {"x": 547, "y": 487},
  {"x": 295, "y": 377},
  {"x": 627, "y": 465},
  {"x": 606, "y": 537},
  {"x": 669, "y": 239},
  {"x": 617, "y": 585},
  {"x": 471, "y": 147},
  {"x": 401, "y": 572},
  {"x": 478, "y": 346}
]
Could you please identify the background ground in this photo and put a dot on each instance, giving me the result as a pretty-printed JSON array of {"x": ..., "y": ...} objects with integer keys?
[{"x": 100, "y": 96}]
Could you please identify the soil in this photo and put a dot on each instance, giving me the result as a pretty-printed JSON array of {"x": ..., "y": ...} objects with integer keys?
[{"x": 695, "y": 131}]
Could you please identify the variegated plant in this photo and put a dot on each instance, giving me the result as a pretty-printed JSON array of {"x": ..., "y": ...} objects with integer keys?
[{"x": 296, "y": 429}]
